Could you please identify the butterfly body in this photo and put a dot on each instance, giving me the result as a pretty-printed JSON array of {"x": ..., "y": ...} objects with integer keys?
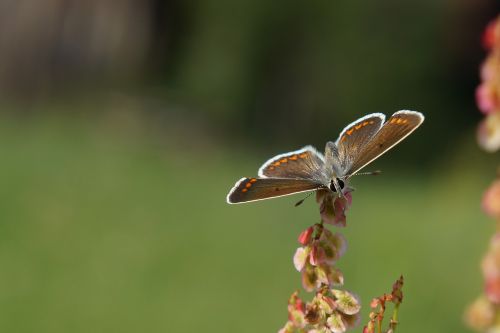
[{"x": 306, "y": 169}]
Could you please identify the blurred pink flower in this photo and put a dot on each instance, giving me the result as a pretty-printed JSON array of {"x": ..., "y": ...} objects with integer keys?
[
  {"x": 488, "y": 133},
  {"x": 486, "y": 98},
  {"x": 480, "y": 315},
  {"x": 491, "y": 270},
  {"x": 491, "y": 200},
  {"x": 483, "y": 314},
  {"x": 488, "y": 91},
  {"x": 491, "y": 34},
  {"x": 489, "y": 69},
  {"x": 492, "y": 289}
]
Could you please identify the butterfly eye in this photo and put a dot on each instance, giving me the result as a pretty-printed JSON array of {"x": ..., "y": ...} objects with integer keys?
[{"x": 340, "y": 182}]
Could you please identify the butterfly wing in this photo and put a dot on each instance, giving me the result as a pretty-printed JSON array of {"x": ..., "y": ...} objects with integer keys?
[
  {"x": 353, "y": 139},
  {"x": 305, "y": 163},
  {"x": 253, "y": 189},
  {"x": 398, "y": 126}
]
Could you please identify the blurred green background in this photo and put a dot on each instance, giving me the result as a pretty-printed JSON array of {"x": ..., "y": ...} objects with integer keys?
[{"x": 124, "y": 124}]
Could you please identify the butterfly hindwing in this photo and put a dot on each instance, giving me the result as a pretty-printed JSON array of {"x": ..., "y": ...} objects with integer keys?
[
  {"x": 305, "y": 163},
  {"x": 396, "y": 128},
  {"x": 253, "y": 189}
]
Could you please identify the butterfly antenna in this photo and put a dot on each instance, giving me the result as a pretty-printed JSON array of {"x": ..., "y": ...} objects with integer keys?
[
  {"x": 301, "y": 201},
  {"x": 371, "y": 173}
]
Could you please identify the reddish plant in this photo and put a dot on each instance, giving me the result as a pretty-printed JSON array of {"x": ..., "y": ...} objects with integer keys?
[
  {"x": 331, "y": 309},
  {"x": 483, "y": 314}
]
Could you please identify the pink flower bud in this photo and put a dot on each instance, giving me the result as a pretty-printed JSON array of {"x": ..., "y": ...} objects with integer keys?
[
  {"x": 305, "y": 236},
  {"x": 374, "y": 303}
]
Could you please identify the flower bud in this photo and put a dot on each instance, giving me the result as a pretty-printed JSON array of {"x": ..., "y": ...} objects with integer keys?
[{"x": 305, "y": 236}]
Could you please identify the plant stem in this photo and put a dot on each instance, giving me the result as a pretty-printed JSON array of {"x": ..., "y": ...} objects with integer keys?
[{"x": 394, "y": 320}]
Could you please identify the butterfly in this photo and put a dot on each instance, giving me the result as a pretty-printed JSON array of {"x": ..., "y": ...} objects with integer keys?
[{"x": 306, "y": 169}]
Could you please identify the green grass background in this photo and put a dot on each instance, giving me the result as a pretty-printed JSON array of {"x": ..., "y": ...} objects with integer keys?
[{"x": 115, "y": 228}]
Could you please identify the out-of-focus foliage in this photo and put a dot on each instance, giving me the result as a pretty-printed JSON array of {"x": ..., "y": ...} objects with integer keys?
[{"x": 279, "y": 72}]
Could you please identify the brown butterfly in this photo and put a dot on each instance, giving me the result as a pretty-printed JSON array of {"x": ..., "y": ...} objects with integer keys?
[{"x": 306, "y": 169}]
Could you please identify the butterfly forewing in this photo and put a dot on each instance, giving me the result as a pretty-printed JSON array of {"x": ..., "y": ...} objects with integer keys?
[
  {"x": 355, "y": 136},
  {"x": 306, "y": 163},
  {"x": 397, "y": 127},
  {"x": 252, "y": 189}
]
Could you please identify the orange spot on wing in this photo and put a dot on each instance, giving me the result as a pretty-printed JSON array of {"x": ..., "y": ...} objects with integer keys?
[
  {"x": 244, "y": 190},
  {"x": 248, "y": 185},
  {"x": 358, "y": 126},
  {"x": 365, "y": 123},
  {"x": 343, "y": 139},
  {"x": 393, "y": 120},
  {"x": 303, "y": 155},
  {"x": 277, "y": 163},
  {"x": 293, "y": 158},
  {"x": 284, "y": 160},
  {"x": 349, "y": 132},
  {"x": 405, "y": 121},
  {"x": 399, "y": 121},
  {"x": 253, "y": 180}
]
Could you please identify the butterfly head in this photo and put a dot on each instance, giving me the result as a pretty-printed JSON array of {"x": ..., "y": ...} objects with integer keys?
[{"x": 337, "y": 185}]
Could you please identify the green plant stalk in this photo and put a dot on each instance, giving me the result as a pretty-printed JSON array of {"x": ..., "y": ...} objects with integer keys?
[{"x": 394, "y": 320}]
